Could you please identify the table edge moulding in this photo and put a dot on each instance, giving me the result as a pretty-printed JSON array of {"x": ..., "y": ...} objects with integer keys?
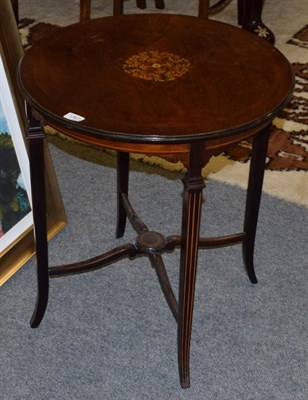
[{"x": 157, "y": 84}]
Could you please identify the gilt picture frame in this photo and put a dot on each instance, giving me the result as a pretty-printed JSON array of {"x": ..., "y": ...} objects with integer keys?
[{"x": 16, "y": 227}]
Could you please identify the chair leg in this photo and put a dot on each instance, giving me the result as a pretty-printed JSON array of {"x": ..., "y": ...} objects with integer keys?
[
  {"x": 85, "y": 10},
  {"x": 15, "y": 6},
  {"x": 240, "y": 11},
  {"x": 141, "y": 4},
  {"x": 117, "y": 7},
  {"x": 250, "y": 18},
  {"x": 203, "y": 8},
  {"x": 160, "y": 4}
]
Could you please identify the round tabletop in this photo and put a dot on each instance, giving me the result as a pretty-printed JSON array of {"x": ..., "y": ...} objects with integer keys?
[{"x": 155, "y": 78}]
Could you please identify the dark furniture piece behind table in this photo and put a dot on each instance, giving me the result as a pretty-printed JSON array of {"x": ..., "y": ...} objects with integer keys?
[
  {"x": 249, "y": 13},
  {"x": 15, "y": 9},
  {"x": 154, "y": 84}
]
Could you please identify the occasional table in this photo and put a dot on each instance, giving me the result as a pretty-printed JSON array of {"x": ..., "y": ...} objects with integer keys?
[{"x": 156, "y": 84}]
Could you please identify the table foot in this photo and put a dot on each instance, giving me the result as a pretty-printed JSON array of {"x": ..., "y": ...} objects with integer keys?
[{"x": 253, "y": 199}]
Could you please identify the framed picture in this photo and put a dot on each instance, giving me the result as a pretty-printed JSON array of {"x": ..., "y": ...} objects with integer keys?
[
  {"x": 15, "y": 192},
  {"x": 16, "y": 227}
]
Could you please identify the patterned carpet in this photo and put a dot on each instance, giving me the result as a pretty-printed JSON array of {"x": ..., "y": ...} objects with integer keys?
[{"x": 288, "y": 146}]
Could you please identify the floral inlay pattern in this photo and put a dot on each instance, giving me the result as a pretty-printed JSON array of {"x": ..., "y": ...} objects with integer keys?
[{"x": 156, "y": 66}]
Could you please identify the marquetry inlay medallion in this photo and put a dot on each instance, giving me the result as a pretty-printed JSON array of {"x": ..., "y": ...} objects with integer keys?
[{"x": 156, "y": 66}]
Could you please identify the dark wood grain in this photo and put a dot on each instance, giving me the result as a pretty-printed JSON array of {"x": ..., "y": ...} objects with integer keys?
[
  {"x": 36, "y": 138},
  {"x": 122, "y": 189},
  {"x": 253, "y": 199},
  {"x": 227, "y": 72},
  {"x": 250, "y": 17},
  {"x": 232, "y": 87},
  {"x": 191, "y": 218}
]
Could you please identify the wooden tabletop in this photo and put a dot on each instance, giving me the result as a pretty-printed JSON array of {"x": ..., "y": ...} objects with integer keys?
[{"x": 155, "y": 78}]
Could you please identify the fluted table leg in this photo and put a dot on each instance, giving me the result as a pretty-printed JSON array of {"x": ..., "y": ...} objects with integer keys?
[{"x": 192, "y": 202}]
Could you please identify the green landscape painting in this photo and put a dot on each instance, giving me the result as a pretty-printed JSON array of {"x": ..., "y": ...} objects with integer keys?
[{"x": 14, "y": 202}]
